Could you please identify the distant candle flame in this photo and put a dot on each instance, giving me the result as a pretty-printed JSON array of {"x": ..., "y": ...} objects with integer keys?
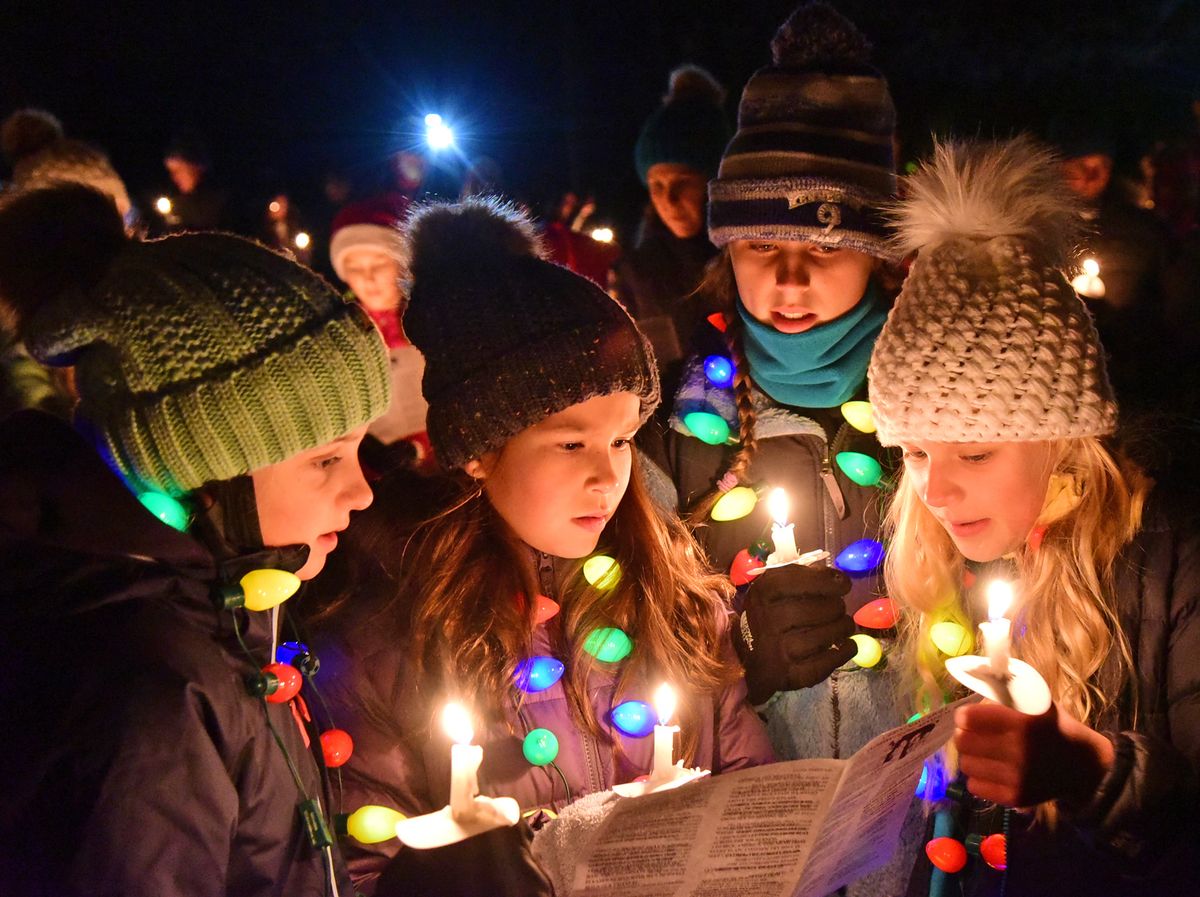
[
  {"x": 664, "y": 703},
  {"x": 1091, "y": 267}
]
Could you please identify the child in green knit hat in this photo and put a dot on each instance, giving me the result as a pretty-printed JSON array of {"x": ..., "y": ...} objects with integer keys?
[{"x": 223, "y": 392}]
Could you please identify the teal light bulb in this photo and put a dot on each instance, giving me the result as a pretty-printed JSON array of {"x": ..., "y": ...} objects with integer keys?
[{"x": 540, "y": 747}]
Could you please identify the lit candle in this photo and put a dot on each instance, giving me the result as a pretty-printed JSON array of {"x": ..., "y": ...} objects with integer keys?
[
  {"x": 464, "y": 762},
  {"x": 1089, "y": 283},
  {"x": 781, "y": 531},
  {"x": 997, "y": 630},
  {"x": 663, "y": 767}
]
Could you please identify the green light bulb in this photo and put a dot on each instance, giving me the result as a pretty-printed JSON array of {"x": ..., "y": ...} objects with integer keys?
[
  {"x": 608, "y": 644},
  {"x": 166, "y": 509},
  {"x": 707, "y": 427},
  {"x": 540, "y": 747},
  {"x": 862, "y": 469}
]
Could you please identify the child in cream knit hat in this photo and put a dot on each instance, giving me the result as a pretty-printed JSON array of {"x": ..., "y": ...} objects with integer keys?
[{"x": 991, "y": 379}]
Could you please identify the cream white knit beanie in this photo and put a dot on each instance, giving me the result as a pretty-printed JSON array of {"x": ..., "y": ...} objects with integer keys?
[{"x": 987, "y": 341}]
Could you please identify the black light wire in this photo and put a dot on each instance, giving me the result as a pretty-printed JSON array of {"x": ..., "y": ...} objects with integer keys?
[{"x": 330, "y": 884}]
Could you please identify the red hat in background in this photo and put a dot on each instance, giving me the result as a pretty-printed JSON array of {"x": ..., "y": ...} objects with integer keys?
[{"x": 369, "y": 224}]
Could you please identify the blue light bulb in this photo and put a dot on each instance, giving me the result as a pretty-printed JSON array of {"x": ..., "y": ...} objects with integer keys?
[
  {"x": 634, "y": 718},
  {"x": 862, "y": 556},
  {"x": 537, "y": 673},
  {"x": 288, "y": 651},
  {"x": 719, "y": 370}
]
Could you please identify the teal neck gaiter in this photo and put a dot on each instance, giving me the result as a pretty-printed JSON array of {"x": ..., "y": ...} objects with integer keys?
[{"x": 820, "y": 368}]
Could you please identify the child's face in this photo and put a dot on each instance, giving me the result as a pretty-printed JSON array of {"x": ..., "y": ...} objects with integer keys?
[
  {"x": 794, "y": 286},
  {"x": 558, "y": 482},
  {"x": 677, "y": 193},
  {"x": 987, "y": 496},
  {"x": 307, "y": 499},
  {"x": 374, "y": 278}
]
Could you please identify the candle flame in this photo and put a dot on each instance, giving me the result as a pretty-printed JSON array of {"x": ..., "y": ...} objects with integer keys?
[
  {"x": 457, "y": 723},
  {"x": 999, "y": 598},
  {"x": 163, "y": 204},
  {"x": 1091, "y": 267},
  {"x": 664, "y": 703},
  {"x": 777, "y": 506}
]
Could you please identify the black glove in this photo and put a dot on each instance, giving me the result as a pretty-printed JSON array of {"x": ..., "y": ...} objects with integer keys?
[
  {"x": 793, "y": 630},
  {"x": 498, "y": 863}
]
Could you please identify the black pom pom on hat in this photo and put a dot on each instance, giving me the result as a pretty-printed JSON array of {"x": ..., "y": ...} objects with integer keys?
[
  {"x": 818, "y": 36},
  {"x": 508, "y": 337}
]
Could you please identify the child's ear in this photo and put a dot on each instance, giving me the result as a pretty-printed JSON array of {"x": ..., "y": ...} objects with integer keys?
[{"x": 474, "y": 469}]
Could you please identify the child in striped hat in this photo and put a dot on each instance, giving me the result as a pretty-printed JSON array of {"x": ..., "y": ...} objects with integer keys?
[{"x": 774, "y": 398}]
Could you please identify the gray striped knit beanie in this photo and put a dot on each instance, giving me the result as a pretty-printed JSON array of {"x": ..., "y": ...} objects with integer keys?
[
  {"x": 197, "y": 357},
  {"x": 509, "y": 338},
  {"x": 987, "y": 341},
  {"x": 812, "y": 158}
]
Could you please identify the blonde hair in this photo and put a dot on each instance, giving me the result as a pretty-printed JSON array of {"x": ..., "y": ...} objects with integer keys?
[{"x": 1065, "y": 622}]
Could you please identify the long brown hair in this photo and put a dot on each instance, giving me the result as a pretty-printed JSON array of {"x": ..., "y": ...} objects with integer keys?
[{"x": 454, "y": 601}]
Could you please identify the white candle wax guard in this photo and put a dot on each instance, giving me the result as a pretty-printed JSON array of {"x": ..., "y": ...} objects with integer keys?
[
  {"x": 1023, "y": 688},
  {"x": 679, "y": 776},
  {"x": 440, "y": 828},
  {"x": 805, "y": 560}
]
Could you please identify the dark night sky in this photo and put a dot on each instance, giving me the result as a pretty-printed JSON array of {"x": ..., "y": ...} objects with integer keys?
[{"x": 554, "y": 91}]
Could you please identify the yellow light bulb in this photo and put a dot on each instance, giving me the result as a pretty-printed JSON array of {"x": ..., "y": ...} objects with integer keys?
[
  {"x": 870, "y": 652},
  {"x": 601, "y": 571},
  {"x": 372, "y": 824},
  {"x": 859, "y": 415},
  {"x": 268, "y": 588},
  {"x": 735, "y": 504},
  {"x": 951, "y": 638}
]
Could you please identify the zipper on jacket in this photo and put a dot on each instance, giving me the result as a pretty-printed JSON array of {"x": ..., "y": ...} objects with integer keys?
[
  {"x": 591, "y": 747},
  {"x": 828, "y": 476}
]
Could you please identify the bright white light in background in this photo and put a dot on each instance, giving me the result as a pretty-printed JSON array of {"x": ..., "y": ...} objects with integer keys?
[
  {"x": 163, "y": 205},
  {"x": 437, "y": 133},
  {"x": 602, "y": 235},
  {"x": 302, "y": 240}
]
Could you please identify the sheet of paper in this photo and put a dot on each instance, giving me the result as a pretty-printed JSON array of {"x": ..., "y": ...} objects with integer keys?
[
  {"x": 862, "y": 826},
  {"x": 796, "y": 829}
]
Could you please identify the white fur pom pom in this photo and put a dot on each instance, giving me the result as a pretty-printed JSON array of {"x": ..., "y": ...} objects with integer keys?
[{"x": 980, "y": 191}]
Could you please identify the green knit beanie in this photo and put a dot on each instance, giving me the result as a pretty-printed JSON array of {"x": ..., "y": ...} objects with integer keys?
[
  {"x": 200, "y": 357},
  {"x": 689, "y": 128}
]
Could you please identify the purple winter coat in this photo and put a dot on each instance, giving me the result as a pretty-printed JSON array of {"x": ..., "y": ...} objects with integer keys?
[{"x": 401, "y": 760}]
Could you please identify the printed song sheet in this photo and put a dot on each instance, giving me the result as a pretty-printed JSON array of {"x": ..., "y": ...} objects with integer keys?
[{"x": 798, "y": 829}]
